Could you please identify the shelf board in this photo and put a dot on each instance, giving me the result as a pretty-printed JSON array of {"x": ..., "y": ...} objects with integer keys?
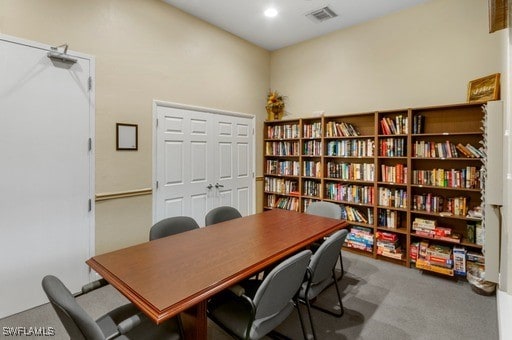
[
  {"x": 360, "y": 224},
  {"x": 419, "y": 212},
  {"x": 350, "y": 137},
  {"x": 311, "y": 177},
  {"x": 348, "y": 157},
  {"x": 282, "y": 194},
  {"x": 468, "y": 133},
  {"x": 448, "y": 158},
  {"x": 391, "y": 208},
  {"x": 462, "y": 242},
  {"x": 358, "y": 251},
  {"x": 282, "y": 139},
  {"x": 347, "y": 180},
  {"x": 366, "y": 205},
  {"x": 392, "y": 157},
  {"x": 443, "y": 188},
  {"x": 312, "y": 197},
  {"x": 391, "y": 136},
  {"x": 282, "y": 176},
  {"x": 392, "y": 183},
  {"x": 283, "y": 156},
  {"x": 402, "y": 231}
]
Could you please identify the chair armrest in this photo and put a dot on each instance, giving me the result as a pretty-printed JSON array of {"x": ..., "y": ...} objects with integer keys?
[
  {"x": 92, "y": 286},
  {"x": 127, "y": 325},
  {"x": 237, "y": 290}
]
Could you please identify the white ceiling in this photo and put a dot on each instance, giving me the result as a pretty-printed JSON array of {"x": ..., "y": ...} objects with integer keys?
[{"x": 245, "y": 18}]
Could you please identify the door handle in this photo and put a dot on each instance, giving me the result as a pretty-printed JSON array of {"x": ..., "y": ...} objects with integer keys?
[
  {"x": 209, "y": 187},
  {"x": 217, "y": 185}
]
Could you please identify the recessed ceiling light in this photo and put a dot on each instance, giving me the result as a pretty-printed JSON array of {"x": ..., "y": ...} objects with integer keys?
[{"x": 270, "y": 12}]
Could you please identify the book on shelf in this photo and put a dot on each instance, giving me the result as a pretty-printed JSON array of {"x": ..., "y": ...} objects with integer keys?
[
  {"x": 418, "y": 122},
  {"x": 341, "y": 129},
  {"x": 284, "y": 131}
]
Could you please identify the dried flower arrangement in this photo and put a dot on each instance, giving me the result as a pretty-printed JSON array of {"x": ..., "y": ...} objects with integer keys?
[{"x": 275, "y": 105}]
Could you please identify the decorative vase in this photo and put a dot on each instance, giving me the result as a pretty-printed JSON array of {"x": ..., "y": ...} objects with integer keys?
[{"x": 275, "y": 113}]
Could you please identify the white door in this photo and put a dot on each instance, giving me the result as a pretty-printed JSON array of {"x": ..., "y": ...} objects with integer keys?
[
  {"x": 46, "y": 175},
  {"x": 202, "y": 159},
  {"x": 233, "y": 155}
]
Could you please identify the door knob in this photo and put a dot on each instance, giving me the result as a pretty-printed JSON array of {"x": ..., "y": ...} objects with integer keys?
[
  {"x": 217, "y": 185},
  {"x": 209, "y": 186}
]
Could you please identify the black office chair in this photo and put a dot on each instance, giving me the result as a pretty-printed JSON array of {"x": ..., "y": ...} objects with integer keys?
[
  {"x": 172, "y": 225},
  {"x": 322, "y": 273},
  {"x": 327, "y": 209},
  {"x": 255, "y": 308},
  {"x": 125, "y": 322},
  {"x": 221, "y": 214}
]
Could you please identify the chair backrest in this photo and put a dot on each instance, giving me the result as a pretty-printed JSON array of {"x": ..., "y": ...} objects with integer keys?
[
  {"x": 78, "y": 323},
  {"x": 281, "y": 285},
  {"x": 324, "y": 209},
  {"x": 221, "y": 214},
  {"x": 326, "y": 256},
  {"x": 172, "y": 225}
]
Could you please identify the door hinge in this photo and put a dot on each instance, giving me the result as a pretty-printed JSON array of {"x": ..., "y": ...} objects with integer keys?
[
  {"x": 89, "y": 83},
  {"x": 157, "y": 184},
  {"x": 90, "y": 144},
  {"x": 157, "y": 122},
  {"x": 90, "y": 204}
]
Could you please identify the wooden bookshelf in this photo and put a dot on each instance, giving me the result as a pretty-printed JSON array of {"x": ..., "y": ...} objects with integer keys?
[{"x": 386, "y": 170}]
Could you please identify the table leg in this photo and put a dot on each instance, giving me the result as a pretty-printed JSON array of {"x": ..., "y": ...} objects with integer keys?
[{"x": 195, "y": 322}]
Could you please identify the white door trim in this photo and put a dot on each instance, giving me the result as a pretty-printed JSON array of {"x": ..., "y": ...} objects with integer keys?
[{"x": 160, "y": 103}]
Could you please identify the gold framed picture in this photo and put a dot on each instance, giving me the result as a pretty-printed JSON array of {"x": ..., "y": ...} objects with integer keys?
[{"x": 484, "y": 89}]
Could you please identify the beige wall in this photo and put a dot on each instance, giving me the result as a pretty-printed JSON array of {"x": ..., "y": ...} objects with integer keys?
[
  {"x": 147, "y": 50},
  {"x": 144, "y": 50},
  {"x": 425, "y": 55}
]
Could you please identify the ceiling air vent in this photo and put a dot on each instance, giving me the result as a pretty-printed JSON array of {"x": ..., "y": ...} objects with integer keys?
[{"x": 322, "y": 14}]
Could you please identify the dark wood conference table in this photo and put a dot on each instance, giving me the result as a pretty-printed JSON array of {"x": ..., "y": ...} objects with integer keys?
[{"x": 180, "y": 273}]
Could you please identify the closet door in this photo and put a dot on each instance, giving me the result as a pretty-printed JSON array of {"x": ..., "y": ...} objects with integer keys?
[
  {"x": 202, "y": 159},
  {"x": 183, "y": 164},
  {"x": 233, "y": 155},
  {"x": 47, "y": 172}
]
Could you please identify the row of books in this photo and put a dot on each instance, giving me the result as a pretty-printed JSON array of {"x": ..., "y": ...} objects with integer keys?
[
  {"x": 394, "y": 173},
  {"x": 396, "y": 198},
  {"x": 312, "y": 168},
  {"x": 288, "y": 203},
  {"x": 351, "y": 148},
  {"x": 418, "y": 123},
  {"x": 468, "y": 177},
  {"x": 394, "y": 126},
  {"x": 445, "y": 150},
  {"x": 359, "y": 238},
  {"x": 282, "y": 148},
  {"x": 428, "y": 202},
  {"x": 313, "y": 130},
  {"x": 282, "y": 168},
  {"x": 389, "y": 218},
  {"x": 284, "y": 131},
  {"x": 393, "y": 147},
  {"x": 388, "y": 245},
  {"x": 351, "y": 171},
  {"x": 281, "y": 186},
  {"x": 350, "y": 193},
  {"x": 357, "y": 215},
  {"x": 312, "y": 148},
  {"x": 340, "y": 129},
  {"x": 311, "y": 188}
]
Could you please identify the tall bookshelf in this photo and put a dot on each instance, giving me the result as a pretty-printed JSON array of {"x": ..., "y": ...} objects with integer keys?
[{"x": 408, "y": 181}]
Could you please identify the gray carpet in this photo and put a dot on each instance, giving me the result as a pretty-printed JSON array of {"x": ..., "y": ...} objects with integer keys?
[{"x": 382, "y": 301}]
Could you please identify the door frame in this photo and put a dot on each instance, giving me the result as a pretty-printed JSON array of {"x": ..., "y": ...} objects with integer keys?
[{"x": 160, "y": 103}]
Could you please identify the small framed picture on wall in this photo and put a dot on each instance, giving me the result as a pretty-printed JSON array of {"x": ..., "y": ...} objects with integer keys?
[{"x": 127, "y": 137}]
